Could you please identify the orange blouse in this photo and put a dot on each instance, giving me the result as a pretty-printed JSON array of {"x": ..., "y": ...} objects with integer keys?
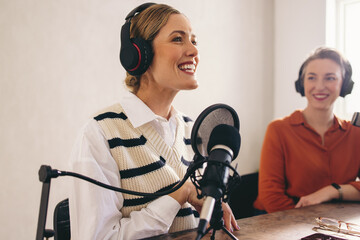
[{"x": 294, "y": 162}]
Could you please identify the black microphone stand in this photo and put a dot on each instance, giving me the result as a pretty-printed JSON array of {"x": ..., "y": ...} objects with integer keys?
[
  {"x": 217, "y": 222},
  {"x": 45, "y": 175}
]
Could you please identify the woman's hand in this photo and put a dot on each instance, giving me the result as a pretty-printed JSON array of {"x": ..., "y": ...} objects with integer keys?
[
  {"x": 187, "y": 193},
  {"x": 194, "y": 200},
  {"x": 229, "y": 219},
  {"x": 325, "y": 194}
]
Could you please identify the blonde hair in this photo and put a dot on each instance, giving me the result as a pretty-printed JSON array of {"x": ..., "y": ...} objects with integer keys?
[{"x": 147, "y": 25}]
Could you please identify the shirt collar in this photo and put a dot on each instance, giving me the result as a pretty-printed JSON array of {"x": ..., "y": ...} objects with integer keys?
[
  {"x": 341, "y": 123},
  {"x": 138, "y": 112},
  {"x": 297, "y": 118}
]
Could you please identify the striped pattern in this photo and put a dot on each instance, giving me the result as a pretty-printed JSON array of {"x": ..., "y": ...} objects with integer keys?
[
  {"x": 143, "y": 200},
  {"x": 129, "y": 173},
  {"x": 187, "y": 119},
  {"x": 187, "y": 141},
  {"x": 187, "y": 211},
  {"x": 146, "y": 163},
  {"x": 118, "y": 142},
  {"x": 185, "y": 162},
  {"x": 110, "y": 115}
]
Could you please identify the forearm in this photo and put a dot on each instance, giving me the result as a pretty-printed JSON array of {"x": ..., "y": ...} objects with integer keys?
[
  {"x": 153, "y": 220},
  {"x": 100, "y": 218},
  {"x": 347, "y": 192},
  {"x": 328, "y": 193},
  {"x": 96, "y": 213},
  {"x": 350, "y": 193}
]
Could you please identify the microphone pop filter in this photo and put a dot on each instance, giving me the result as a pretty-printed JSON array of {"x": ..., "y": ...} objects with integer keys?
[{"x": 217, "y": 114}]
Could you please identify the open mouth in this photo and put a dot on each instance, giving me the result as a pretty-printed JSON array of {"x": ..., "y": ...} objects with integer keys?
[
  {"x": 188, "y": 68},
  {"x": 320, "y": 96}
]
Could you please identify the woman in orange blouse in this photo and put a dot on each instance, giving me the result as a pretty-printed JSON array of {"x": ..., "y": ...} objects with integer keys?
[{"x": 312, "y": 156}]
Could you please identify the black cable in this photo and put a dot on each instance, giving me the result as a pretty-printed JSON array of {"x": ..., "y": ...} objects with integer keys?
[{"x": 189, "y": 172}]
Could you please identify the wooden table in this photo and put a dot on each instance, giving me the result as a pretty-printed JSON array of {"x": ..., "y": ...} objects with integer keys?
[{"x": 284, "y": 225}]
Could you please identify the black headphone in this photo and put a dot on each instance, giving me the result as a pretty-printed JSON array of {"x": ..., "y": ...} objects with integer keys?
[
  {"x": 346, "y": 87},
  {"x": 135, "y": 53}
]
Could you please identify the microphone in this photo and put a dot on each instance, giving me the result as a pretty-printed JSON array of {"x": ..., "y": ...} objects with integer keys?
[
  {"x": 223, "y": 147},
  {"x": 356, "y": 119}
]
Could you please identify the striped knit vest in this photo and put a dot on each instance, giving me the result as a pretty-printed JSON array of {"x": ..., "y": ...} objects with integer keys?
[{"x": 146, "y": 163}]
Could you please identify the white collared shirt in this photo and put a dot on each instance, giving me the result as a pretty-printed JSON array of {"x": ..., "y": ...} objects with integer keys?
[
  {"x": 140, "y": 114},
  {"x": 95, "y": 211}
]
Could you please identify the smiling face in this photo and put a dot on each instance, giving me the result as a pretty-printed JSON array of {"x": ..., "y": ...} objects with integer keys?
[
  {"x": 322, "y": 83},
  {"x": 175, "y": 56}
]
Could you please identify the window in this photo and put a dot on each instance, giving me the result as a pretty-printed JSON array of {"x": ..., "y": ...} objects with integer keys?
[{"x": 343, "y": 19}]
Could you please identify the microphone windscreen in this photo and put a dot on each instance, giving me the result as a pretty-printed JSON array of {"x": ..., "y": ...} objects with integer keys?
[{"x": 225, "y": 135}]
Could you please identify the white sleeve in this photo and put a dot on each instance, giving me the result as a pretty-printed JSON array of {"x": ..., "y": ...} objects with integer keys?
[{"x": 95, "y": 211}]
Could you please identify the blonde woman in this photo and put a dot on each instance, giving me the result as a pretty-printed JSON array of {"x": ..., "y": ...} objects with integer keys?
[{"x": 141, "y": 143}]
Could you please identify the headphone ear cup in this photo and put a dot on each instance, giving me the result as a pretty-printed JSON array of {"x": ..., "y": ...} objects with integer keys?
[
  {"x": 136, "y": 56},
  {"x": 298, "y": 83},
  {"x": 299, "y": 88},
  {"x": 348, "y": 83},
  {"x": 129, "y": 56},
  {"x": 145, "y": 56},
  {"x": 346, "y": 88}
]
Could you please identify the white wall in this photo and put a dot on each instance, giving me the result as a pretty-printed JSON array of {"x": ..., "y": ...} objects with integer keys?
[
  {"x": 299, "y": 29},
  {"x": 59, "y": 64}
]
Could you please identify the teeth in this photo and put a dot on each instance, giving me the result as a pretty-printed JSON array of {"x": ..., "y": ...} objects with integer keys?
[
  {"x": 187, "y": 67},
  {"x": 320, "y": 96}
]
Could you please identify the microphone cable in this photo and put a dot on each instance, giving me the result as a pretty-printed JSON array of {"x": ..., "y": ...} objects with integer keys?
[{"x": 45, "y": 173}]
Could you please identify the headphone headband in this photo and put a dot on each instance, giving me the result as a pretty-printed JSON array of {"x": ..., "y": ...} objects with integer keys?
[{"x": 138, "y": 9}]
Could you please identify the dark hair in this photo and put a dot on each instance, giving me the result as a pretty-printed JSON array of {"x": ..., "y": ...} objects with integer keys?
[{"x": 336, "y": 56}]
